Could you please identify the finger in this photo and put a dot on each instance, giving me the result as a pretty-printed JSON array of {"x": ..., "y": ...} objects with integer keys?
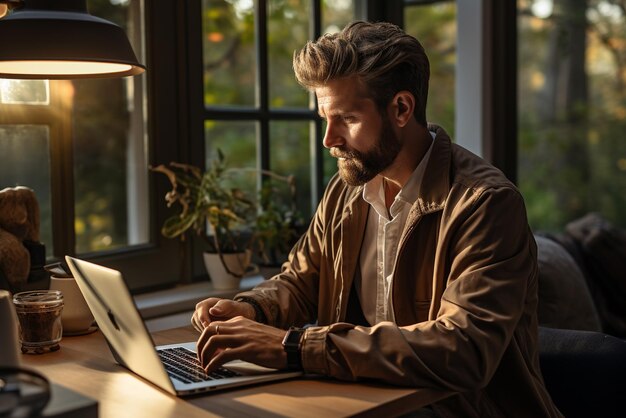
[
  {"x": 220, "y": 309},
  {"x": 202, "y": 311},
  {"x": 200, "y": 319},
  {"x": 224, "y": 309},
  {"x": 215, "y": 345},
  {"x": 196, "y": 324},
  {"x": 224, "y": 356},
  {"x": 208, "y": 332},
  {"x": 207, "y": 338}
]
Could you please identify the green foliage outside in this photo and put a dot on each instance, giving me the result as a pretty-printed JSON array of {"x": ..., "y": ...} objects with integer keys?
[
  {"x": 572, "y": 103},
  {"x": 100, "y": 136},
  {"x": 435, "y": 27},
  {"x": 572, "y": 110},
  {"x": 231, "y": 81},
  {"x": 572, "y": 151},
  {"x": 225, "y": 216}
]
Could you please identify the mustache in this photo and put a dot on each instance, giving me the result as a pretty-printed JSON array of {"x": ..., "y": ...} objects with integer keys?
[{"x": 341, "y": 153}]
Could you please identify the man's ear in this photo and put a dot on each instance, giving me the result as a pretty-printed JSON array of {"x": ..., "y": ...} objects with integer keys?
[{"x": 402, "y": 107}]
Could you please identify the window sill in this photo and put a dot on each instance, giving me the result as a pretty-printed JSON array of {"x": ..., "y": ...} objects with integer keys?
[{"x": 173, "y": 307}]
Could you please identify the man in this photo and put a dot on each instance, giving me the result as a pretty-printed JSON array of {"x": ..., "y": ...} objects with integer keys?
[{"x": 418, "y": 268}]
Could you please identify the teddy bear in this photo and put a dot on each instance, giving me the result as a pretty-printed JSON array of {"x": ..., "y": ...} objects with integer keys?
[{"x": 19, "y": 224}]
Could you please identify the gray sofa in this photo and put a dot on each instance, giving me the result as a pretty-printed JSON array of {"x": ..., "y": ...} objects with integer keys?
[
  {"x": 582, "y": 350},
  {"x": 565, "y": 301}
]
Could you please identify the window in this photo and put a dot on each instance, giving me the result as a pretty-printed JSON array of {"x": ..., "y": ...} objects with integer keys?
[
  {"x": 253, "y": 109},
  {"x": 85, "y": 145},
  {"x": 572, "y": 110},
  {"x": 219, "y": 76},
  {"x": 463, "y": 42},
  {"x": 434, "y": 25},
  {"x": 82, "y": 146},
  {"x": 26, "y": 123}
]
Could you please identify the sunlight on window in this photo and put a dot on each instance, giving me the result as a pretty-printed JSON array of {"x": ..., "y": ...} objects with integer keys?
[
  {"x": 336, "y": 14},
  {"x": 542, "y": 8},
  {"x": 242, "y": 7},
  {"x": 605, "y": 10},
  {"x": 33, "y": 92},
  {"x": 228, "y": 53}
]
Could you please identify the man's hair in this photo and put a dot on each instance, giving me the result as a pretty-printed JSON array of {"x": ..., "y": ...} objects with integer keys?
[{"x": 382, "y": 57}]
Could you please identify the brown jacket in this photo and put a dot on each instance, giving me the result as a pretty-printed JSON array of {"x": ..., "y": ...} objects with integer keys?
[{"x": 464, "y": 292}]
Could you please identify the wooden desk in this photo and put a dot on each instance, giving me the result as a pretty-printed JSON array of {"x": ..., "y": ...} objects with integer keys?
[{"x": 85, "y": 365}]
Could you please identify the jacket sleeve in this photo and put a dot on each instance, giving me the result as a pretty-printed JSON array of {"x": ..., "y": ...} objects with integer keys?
[
  {"x": 485, "y": 296},
  {"x": 291, "y": 297}
]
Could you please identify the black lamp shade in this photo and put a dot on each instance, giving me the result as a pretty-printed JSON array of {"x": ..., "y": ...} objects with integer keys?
[{"x": 64, "y": 44}]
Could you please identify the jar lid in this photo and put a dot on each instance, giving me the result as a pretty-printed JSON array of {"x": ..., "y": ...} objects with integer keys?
[{"x": 38, "y": 298}]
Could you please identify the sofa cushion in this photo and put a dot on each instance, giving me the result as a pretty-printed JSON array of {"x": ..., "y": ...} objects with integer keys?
[
  {"x": 600, "y": 249},
  {"x": 585, "y": 372},
  {"x": 564, "y": 298}
]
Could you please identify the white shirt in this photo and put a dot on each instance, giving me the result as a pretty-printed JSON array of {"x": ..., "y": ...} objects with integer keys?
[{"x": 380, "y": 245}]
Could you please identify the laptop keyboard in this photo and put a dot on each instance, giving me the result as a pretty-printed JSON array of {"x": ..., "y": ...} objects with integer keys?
[{"x": 183, "y": 365}]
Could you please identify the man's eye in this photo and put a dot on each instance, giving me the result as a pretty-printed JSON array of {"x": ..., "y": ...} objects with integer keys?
[{"x": 348, "y": 119}]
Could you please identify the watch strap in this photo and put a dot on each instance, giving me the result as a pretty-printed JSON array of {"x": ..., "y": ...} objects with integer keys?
[{"x": 292, "y": 344}]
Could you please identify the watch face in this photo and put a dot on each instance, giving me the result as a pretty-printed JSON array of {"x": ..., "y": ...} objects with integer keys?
[{"x": 292, "y": 339}]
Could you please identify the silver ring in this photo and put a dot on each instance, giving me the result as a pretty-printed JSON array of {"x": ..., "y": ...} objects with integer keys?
[{"x": 217, "y": 330}]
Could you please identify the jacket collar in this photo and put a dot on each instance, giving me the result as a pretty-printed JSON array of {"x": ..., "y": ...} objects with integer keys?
[
  {"x": 434, "y": 189},
  {"x": 436, "y": 182}
]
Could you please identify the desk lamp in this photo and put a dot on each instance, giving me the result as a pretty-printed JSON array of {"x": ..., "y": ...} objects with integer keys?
[{"x": 59, "y": 39}]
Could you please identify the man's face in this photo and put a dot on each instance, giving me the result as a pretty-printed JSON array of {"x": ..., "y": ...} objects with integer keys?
[{"x": 357, "y": 134}]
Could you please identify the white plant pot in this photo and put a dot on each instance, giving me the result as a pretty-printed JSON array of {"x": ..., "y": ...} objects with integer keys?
[
  {"x": 76, "y": 316},
  {"x": 238, "y": 263}
]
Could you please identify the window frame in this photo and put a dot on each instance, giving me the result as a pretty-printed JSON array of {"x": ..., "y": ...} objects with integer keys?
[
  {"x": 176, "y": 114},
  {"x": 263, "y": 114},
  {"x": 157, "y": 263},
  {"x": 145, "y": 266},
  {"x": 60, "y": 153},
  {"x": 495, "y": 118},
  {"x": 497, "y": 71}
]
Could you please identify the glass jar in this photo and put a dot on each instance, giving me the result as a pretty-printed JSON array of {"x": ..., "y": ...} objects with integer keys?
[{"x": 39, "y": 318}]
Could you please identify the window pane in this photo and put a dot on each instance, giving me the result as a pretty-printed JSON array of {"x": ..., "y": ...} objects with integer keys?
[
  {"x": 228, "y": 51},
  {"x": 336, "y": 14},
  {"x": 290, "y": 155},
  {"x": 288, "y": 30},
  {"x": 237, "y": 141},
  {"x": 33, "y": 92},
  {"x": 572, "y": 112},
  {"x": 25, "y": 151},
  {"x": 435, "y": 27},
  {"x": 110, "y": 165}
]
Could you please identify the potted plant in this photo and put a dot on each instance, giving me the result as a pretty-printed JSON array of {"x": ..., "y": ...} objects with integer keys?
[
  {"x": 278, "y": 223},
  {"x": 232, "y": 224}
]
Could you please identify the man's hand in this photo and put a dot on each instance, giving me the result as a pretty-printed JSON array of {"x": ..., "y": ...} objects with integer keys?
[
  {"x": 215, "y": 309},
  {"x": 241, "y": 338}
]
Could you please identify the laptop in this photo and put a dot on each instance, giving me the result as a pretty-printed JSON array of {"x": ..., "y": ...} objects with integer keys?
[{"x": 174, "y": 367}]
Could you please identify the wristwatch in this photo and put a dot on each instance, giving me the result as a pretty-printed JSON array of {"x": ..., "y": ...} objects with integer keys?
[{"x": 292, "y": 346}]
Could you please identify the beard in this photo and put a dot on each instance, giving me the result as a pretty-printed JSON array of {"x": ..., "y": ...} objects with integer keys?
[{"x": 357, "y": 168}]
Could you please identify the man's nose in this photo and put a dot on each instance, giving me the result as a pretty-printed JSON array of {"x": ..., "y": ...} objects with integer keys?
[{"x": 332, "y": 136}]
